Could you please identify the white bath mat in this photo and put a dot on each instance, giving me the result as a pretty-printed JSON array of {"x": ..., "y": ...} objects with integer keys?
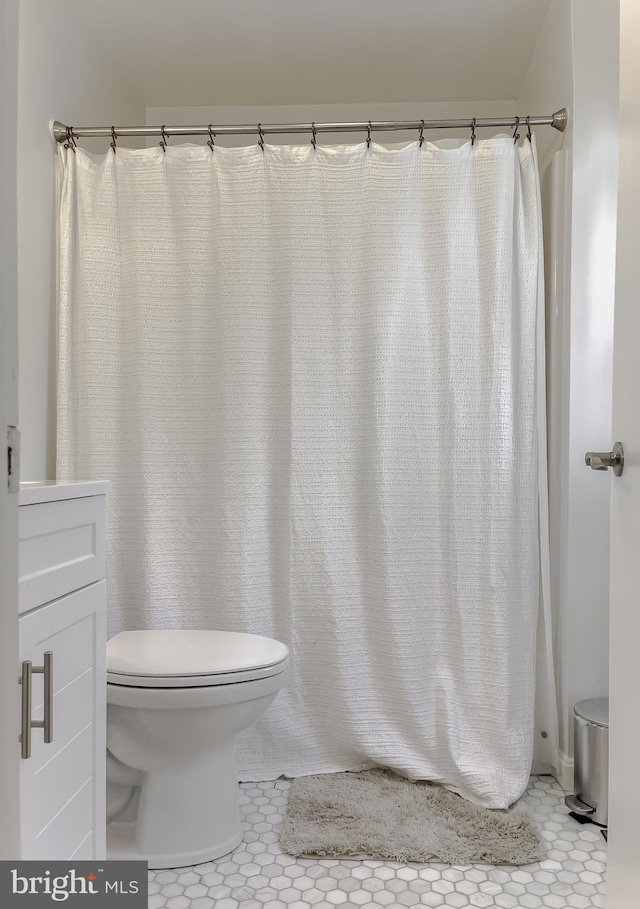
[{"x": 376, "y": 814}]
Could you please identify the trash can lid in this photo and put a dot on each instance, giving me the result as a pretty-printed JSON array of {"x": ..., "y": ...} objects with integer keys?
[{"x": 595, "y": 711}]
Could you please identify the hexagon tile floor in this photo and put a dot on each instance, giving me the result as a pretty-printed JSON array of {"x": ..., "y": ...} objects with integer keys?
[{"x": 258, "y": 876}]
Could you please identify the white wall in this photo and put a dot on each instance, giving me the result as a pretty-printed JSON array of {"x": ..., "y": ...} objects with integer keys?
[
  {"x": 63, "y": 75},
  {"x": 576, "y": 63},
  {"x": 548, "y": 85},
  {"x": 548, "y": 81}
]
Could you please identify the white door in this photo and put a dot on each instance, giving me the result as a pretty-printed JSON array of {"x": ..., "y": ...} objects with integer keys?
[
  {"x": 623, "y": 877},
  {"x": 9, "y": 692}
]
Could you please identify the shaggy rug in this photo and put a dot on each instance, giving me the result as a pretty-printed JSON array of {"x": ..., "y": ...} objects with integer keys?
[{"x": 376, "y": 814}]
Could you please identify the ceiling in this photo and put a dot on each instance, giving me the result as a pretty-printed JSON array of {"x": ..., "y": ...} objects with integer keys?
[{"x": 261, "y": 52}]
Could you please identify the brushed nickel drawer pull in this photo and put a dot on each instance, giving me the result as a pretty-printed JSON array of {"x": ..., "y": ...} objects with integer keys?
[
  {"x": 27, "y": 724},
  {"x": 25, "y": 737}
]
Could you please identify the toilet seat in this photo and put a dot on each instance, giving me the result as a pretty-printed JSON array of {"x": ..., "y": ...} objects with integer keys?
[{"x": 174, "y": 658}]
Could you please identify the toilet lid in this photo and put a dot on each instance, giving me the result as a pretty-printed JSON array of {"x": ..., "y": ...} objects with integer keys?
[{"x": 173, "y": 653}]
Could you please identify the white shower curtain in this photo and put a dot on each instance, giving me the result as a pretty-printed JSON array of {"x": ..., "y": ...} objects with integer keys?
[{"x": 311, "y": 377}]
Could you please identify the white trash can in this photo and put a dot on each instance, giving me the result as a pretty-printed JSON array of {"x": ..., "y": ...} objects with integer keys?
[{"x": 591, "y": 761}]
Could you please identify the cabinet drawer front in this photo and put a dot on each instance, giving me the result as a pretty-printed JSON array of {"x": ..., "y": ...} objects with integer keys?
[{"x": 62, "y": 548}]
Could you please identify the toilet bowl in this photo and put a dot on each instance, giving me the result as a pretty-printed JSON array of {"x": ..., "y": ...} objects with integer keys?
[{"x": 176, "y": 702}]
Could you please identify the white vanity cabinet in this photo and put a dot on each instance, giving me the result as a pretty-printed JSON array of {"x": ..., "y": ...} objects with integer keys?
[{"x": 62, "y": 687}]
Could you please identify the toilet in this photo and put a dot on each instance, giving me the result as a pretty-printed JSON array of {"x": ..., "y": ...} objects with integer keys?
[{"x": 176, "y": 702}]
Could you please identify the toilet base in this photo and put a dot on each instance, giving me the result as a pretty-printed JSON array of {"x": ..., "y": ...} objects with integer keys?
[
  {"x": 187, "y": 810},
  {"x": 176, "y": 746},
  {"x": 121, "y": 845}
]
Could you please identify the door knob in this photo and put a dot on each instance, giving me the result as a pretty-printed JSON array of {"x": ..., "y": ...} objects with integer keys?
[{"x": 603, "y": 460}]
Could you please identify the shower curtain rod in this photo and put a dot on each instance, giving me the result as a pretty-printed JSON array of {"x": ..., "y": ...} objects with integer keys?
[{"x": 62, "y": 133}]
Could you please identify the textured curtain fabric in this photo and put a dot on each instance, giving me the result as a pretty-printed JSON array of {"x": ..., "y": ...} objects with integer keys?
[{"x": 311, "y": 378}]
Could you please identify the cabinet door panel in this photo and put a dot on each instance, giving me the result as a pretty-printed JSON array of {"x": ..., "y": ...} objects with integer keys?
[
  {"x": 60, "y": 837},
  {"x": 57, "y": 782},
  {"x": 73, "y": 654},
  {"x": 85, "y": 851},
  {"x": 72, "y": 711},
  {"x": 60, "y": 776}
]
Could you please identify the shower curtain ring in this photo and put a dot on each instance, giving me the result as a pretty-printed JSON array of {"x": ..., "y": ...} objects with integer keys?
[
  {"x": 313, "y": 135},
  {"x": 473, "y": 132},
  {"x": 528, "y": 122},
  {"x": 113, "y": 139},
  {"x": 421, "y": 133},
  {"x": 163, "y": 141},
  {"x": 516, "y": 134},
  {"x": 260, "y": 136},
  {"x": 71, "y": 140},
  {"x": 211, "y": 143},
  {"x": 369, "y": 135}
]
